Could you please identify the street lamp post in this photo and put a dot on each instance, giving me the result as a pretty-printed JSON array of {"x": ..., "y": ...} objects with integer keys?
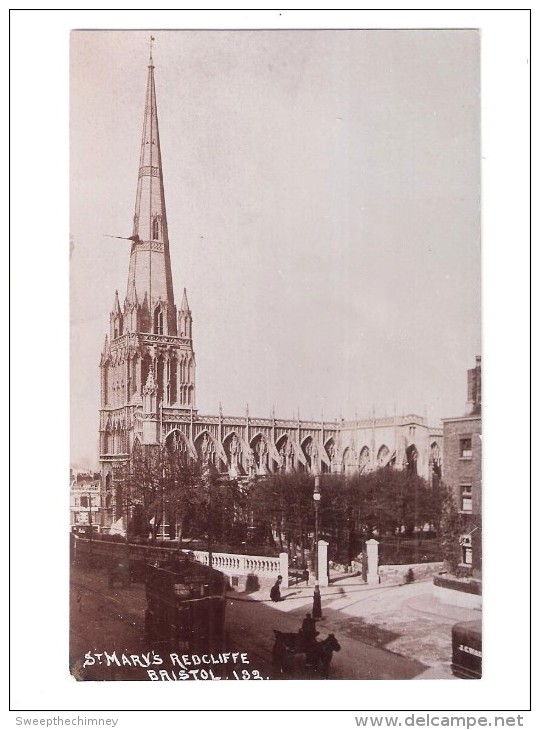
[
  {"x": 91, "y": 527},
  {"x": 317, "y": 609},
  {"x": 163, "y": 503},
  {"x": 127, "y": 492},
  {"x": 210, "y": 524}
]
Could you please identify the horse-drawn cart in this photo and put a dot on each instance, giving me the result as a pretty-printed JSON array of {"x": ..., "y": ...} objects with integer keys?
[{"x": 294, "y": 655}]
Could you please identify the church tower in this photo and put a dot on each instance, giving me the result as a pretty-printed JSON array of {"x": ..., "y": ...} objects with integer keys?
[{"x": 147, "y": 363}]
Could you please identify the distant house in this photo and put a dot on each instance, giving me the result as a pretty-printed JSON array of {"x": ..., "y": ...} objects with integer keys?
[
  {"x": 462, "y": 470},
  {"x": 85, "y": 500}
]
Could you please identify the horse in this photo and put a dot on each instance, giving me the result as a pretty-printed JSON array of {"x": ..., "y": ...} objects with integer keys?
[
  {"x": 293, "y": 642},
  {"x": 318, "y": 654},
  {"x": 323, "y": 655}
]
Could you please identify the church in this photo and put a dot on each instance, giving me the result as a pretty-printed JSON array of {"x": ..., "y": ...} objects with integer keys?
[{"x": 148, "y": 378}]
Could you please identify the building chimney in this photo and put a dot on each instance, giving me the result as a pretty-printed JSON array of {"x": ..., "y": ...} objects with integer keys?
[{"x": 474, "y": 387}]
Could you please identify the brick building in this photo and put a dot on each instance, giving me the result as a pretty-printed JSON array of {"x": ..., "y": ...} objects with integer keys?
[
  {"x": 462, "y": 470},
  {"x": 85, "y": 500}
]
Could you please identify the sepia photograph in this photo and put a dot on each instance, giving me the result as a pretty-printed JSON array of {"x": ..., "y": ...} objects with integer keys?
[
  {"x": 270, "y": 302},
  {"x": 275, "y": 355}
]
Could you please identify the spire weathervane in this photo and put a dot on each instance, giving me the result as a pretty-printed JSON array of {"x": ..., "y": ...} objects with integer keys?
[{"x": 152, "y": 40}]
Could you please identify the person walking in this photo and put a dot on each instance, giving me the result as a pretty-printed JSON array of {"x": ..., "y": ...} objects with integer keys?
[
  {"x": 275, "y": 592},
  {"x": 309, "y": 628},
  {"x": 309, "y": 634}
]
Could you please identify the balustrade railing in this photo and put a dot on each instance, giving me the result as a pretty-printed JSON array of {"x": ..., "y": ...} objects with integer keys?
[{"x": 241, "y": 564}]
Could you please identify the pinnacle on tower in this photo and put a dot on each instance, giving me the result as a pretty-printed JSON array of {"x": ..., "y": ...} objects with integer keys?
[
  {"x": 116, "y": 305},
  {"x": 184, "y": 307},
  {"x": 185, "y": 323}
]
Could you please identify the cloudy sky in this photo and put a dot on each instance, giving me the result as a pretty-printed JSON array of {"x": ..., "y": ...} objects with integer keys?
[{"x": 322, "y": 193}]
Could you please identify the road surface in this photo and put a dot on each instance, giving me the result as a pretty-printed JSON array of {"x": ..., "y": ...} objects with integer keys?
[{"x": 111, "y": 620}]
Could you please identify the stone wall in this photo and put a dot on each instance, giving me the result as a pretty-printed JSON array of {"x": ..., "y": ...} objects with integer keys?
[
  {"x": 454, "y": 597},
  {"x": 397, "y": 573}
]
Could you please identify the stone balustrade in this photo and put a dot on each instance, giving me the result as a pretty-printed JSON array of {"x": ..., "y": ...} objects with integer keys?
[{"x": 263, "y": 567}]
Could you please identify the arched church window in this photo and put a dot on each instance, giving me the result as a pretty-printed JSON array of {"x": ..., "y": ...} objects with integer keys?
[
  {"x": 330, "y": 450},
  {"x": 412, "y": 459},
  {"x": 160, "y": 377},
  {"x": 155, "y": 228},
  {"x": 134, "y": 376},
  {"x": 382, "y": 456},
  {"x": 145, "y": 369},
  {"x": 173, "y": 377},
  {"x": 349, "y": 461},
  {"x": 364, "y": 459},
  {"x": 105, "y": 385},
  {"x": 307, "y": 448},
  {"x": 158, "y": 322}
]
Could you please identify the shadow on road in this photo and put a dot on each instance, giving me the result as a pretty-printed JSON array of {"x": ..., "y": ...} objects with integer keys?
[{"x": 111, "y": 620}]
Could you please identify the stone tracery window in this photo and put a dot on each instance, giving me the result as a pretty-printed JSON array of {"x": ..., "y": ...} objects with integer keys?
[
  {"x": 364, "y": 459},
  {"x": 158, "y": 321},
  {"x": 412, "y": 459},
  {"x": 349, "y": 461},
  {"x": 382, "y": 456},
  {"x": 435, "y": 460},
  {"x": 173, "y": 379}
]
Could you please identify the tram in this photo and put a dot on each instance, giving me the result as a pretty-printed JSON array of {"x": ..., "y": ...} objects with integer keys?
[
  {"x": 185, "y": 605},
  {"x": 185, "y": 599}
]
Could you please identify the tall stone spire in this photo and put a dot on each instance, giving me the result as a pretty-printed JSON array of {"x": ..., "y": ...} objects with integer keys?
[
  {"x": 147, "y": 365},
  {"x": 150, "y": 274}
]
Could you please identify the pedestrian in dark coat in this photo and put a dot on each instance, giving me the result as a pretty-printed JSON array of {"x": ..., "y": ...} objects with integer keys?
[
  {"x": 275, "y": 592},
  {"x": 309, "y": 628}
]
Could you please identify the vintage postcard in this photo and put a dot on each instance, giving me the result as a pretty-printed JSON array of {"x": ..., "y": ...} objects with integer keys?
[{"x": 275, "y": 355}]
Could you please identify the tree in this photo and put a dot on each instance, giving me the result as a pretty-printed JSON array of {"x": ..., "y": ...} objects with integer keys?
[
  {"x": 222, "y": 513},
  {"x": 159, "y": 485},
  {"x": 451, "y": 529},
  {"x": 275, "y": 510},
  {"x": 282, "y": 504},
  {"x": 352, "y": 509},
  {"x": 400, "y": 501}
]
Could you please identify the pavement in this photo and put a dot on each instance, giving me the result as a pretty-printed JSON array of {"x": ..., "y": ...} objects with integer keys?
[{"x": 406, "y": 620}]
